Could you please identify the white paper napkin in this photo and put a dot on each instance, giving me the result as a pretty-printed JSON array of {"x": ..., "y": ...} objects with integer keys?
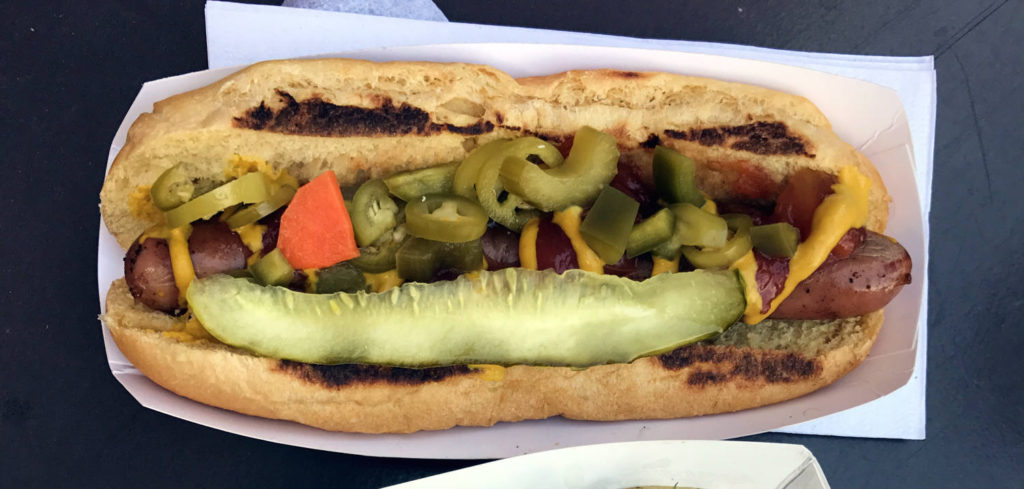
[
  {"x": 406, "y": 9},
  {"x": 241, "y": 34}
]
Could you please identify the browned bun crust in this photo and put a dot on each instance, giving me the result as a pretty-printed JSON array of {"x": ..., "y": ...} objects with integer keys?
[
  {"x": 363, "y": 120},
  {"x": 748, "y": 367}
]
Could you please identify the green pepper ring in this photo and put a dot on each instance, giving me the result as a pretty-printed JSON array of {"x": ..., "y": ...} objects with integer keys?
[
  {"x": 279, "y": 196},
  {"x": 508, "y": 212},
  {"x": 378, "y": 257},
  {"x": 171, "y": 189},
  {"x": 250, "y": 188},
  {"x": 373, "y": 212},
  {"x": 468, "y": 172},
  {"x": 446, "y": 218},
  {"x": 592, "y": 163}
]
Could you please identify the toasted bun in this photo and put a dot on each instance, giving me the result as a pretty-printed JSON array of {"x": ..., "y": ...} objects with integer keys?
[
  {"x": 746, "y": 367},
  {"x": 364, "y": 120}
]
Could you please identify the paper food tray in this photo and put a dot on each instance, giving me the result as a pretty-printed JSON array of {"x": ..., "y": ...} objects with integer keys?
[
  {"x": 868, "y": 116},
  {"x": 683, "y": 464}
]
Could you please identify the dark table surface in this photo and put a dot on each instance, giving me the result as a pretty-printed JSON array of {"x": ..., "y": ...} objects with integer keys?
[{"x": 69, "y": 71}]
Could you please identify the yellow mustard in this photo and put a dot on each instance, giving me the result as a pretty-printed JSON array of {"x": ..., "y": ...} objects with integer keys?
[{"x": 845, "y": 208}]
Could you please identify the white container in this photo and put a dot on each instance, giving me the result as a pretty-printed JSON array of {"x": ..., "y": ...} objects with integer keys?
[{"x": 670, "y": 463}]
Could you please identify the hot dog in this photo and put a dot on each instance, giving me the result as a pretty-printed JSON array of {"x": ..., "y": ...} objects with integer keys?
[{"x": 362, "y": 121}]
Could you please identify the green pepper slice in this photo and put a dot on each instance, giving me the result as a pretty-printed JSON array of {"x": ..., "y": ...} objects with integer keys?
[
  {"x": 412, "y": 185},
  {"x": 373, "y": 212},
  {"x": 467, "y": 173},
  {"x": 736, "y": 222},
  {"x": 778, "y": 239},
  {"x": 607, "y": 227},
  {"x": 273, "y": 269},
  {"x": 419, "y": 259},
  {"x": 592, "y": 163},
  {"x": 693, "y": 227},
  {"x": 279, "y": 196},
  {"x": 651, "y": 232},
  {"x": 416, "y": 260},
  {"x": 489, "y": 192},
  {"x": 533, "y": 146},
  {"x": 172, "y": 188},
  {"x": 380, "y": 256},
  {"x": 697, "y": 227},
  {"x": 250, "y": 188},
  {"x": 340, "y": 277},
  {"x": 447, "y": 218},
  {"x": 734, "y": 249},
  {"x": 674, "y": 177}
]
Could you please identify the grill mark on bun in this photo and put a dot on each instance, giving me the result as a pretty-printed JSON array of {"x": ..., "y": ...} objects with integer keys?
[
  {"x": 652, "y": 142},
  {"x": 317, "y": 117},
  {"x": 626, "y": 74},
  {"x": 763, "y": 138},
  {"x": 771, "y": 366},
  {"x": 476, "y": 129},
  {"x": 342, "y": 375},
  {"x": 706, "y": 377}
]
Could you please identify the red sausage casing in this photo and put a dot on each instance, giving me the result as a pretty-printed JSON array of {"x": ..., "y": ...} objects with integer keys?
[
  {"x": 861, "y": 283},
  {"x": 213, "y": 247}
]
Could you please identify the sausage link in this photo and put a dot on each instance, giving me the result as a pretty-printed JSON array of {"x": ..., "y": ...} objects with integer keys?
[
  {"x": 213, "y": 247},
  {"x": 863, "y": 282},
  {"x": 147, "y": 270}
]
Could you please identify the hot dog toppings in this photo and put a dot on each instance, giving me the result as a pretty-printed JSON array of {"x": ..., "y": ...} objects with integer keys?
[
  {"x": 500, "y": 246},
  {"x": 316, "y": 231},
  {"x": 801, "y": 197},
  {"x": 509, "y": 204},
  {"x": 553, "y": 248},
  {"x": 591, "y": 165}
]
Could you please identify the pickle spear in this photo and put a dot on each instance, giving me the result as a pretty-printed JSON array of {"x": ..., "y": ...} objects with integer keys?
[{"x": 507, "y": 317}]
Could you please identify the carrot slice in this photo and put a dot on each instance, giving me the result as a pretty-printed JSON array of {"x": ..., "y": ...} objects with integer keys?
[{"x": 316, "y": 230}]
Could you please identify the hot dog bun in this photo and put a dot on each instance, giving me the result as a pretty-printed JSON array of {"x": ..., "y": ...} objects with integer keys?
[
  {"x": 417, "y": 115},
  {"x": 746, "y": 367},
  {"x": 365, "y": 120}
]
